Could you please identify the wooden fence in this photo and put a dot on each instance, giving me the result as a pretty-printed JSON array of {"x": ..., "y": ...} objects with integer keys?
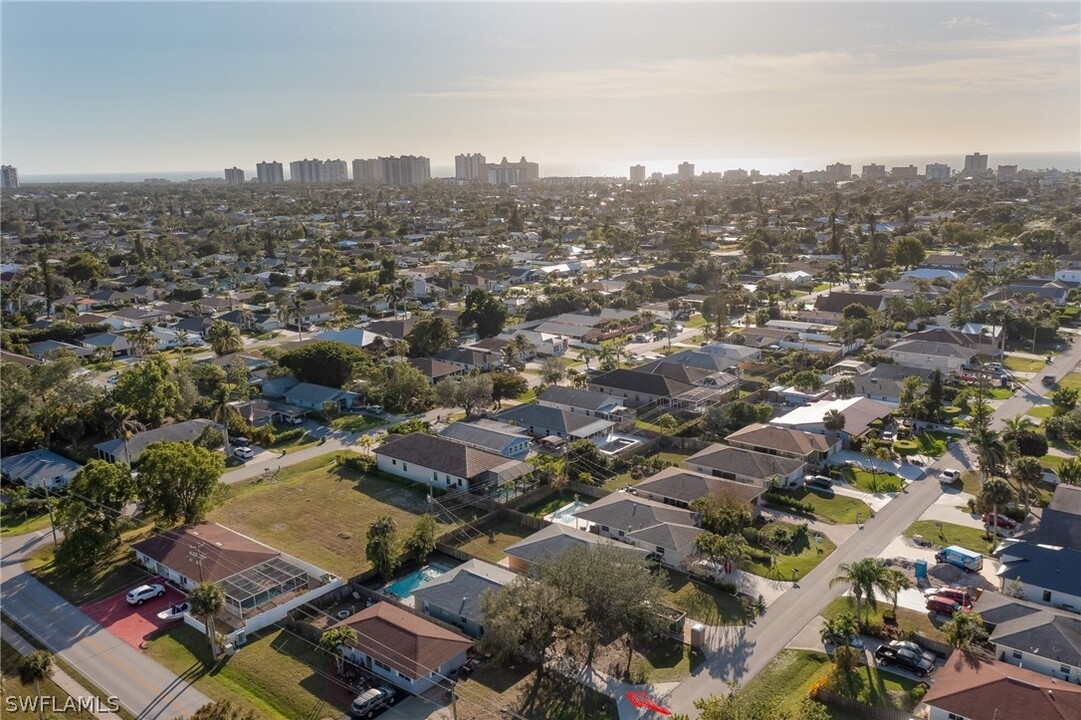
[
  {"x": 592, "y": 491},
  {"x": 938, "y": 648},
  {"x": 860, "y": 709}
]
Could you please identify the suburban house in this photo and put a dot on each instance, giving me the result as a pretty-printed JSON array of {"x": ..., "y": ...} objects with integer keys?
[
  {"x": 858, "y": 412},
  {"x": 931, "y": 355},
  {"x": 679, "y": 488},
  {"x": 470, "y": 358},
  {"x": 187, "y": 431},
  {"x": 116, "y": 343},
  {"x": 1060, "y": 523},
  {"x": 436, "y": 370},
  {"x": 542, "y": 421},
  {"x": 498, "y": 437},
  {"x": 588, "y": 403},
  {"x": 260, "y": 412},
  {"x": 253, "y": 577},
  {"x": 554, "y": 539},
  {"x": 665, "y": 531},
  {"x": 454, "y": 597},
  {"x": 40, "y": 468},
  {"x": 405, "y": 649},
  {"x": 396, "y": 328},
  {"x": 1068, "y": 268},
  {"x": 445, "y": 463},
  {"x": 785, "y": 442},
  {"x": 357, "y": 337},
  {"x": 314, "y": 397},
  {"x": 836, "y": 301},
  {"x": 970, "y": 688},
  {"x": 1046, "y": 641},
  {"x": 1047, "y": 573},
  {"x": 747, "y": 466},
  {"x": 41, "y": 350},
  {"x": 640, "y": 387}
]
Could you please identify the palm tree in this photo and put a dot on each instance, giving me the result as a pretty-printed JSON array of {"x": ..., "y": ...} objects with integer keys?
[
  {"x": 224, "y": 338},
  {"x": 864, "y": 576},
  {"x": 207, "y": 600},
  {"x": 220, "y": 411},
  {"x": 894, "y": 582},
  {"x": 844, "y": 389},
  {"x": 125, "y": 422},
  {"x": 366, "y": 443},
  {"x": 833, "y": 420},
  {"x": 34, "y": 668},
  {"x": 964, "y": 629},
  {"x": 298, "y": 314},
  {"x": 838, "y": 630},
  {"x": 521, "y": 345},
  {"x": 392, "y": 296},
  {"x": 333, "y": 641},
  {"x": 1069, "y": 472},
  {"x": 181, "y": 339},
  {"x": 996, "y": 492},
  {"x": 403, "y": 289},
  {"x": 586, "y": 356},
  {"x": 143, "y": 341},
  {"x": 990, "y": 450}
]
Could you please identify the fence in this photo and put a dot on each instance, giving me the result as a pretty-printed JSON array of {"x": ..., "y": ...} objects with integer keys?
[
  {"x": 860, "y": 709},
  {"x": 588, "y": 490},
  {"x": 938, "y": 648}
]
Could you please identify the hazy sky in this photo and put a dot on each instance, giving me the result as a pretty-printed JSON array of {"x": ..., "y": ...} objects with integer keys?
[{"x": 106, "y": 87}]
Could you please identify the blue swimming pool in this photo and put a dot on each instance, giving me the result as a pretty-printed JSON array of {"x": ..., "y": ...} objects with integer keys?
[
  {"x": 565, "y": 514},
  {"x": 403, "y": 587}
]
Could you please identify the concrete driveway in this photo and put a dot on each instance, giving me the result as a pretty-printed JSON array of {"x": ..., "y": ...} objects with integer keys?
[{"x": 131, "y": 623}]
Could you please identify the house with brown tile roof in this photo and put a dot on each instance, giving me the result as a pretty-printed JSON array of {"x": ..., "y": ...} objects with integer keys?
[
  {"x": 746, "y": 466},
  {"x": 971, "y": 688},
  {"x": 406, "y": 649}
]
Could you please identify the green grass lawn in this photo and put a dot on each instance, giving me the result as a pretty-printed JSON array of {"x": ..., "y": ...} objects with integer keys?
[
  {"x": 1071, "y": 380},
  {"x": 802, "y": 557},
  {"x": 1042, "y": 412},
  {"x": 1052, "y": 462},
  {"x": 666, "y": 660},
  {"x": 828, "y": 506},
  {"x": 11, "y": 524},
  {"x": 869, "y": 482},
  {"x": 277, "y": 674},
  {"x": 974, "y": 539},
  {"x": 16, "y": 694},
  {"x": 703, "y": 602},
  {"x": 82, "y": 585},
  {"x": 1001, "y": 393},
  {"x": 320, "y": 512},
  {"x": 907, "y": 620},
  {"x": 550, "y": 696},
  {"x": 789, "y": 676},
  {"x": 550, "y": 504},
  {"x": 933, "y": 443},
  {"x": 697, "y": 320},
  {"x": 1023, "y": 364},
  {"x": 357, "y": 423},
  {"x": 528, "y": 396},
  {"x": 820, "y": 287},
  {"x": 490, "y": 549}
]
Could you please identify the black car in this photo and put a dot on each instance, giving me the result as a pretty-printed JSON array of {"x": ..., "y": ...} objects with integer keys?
[
  {"x": 239, "y": 442},
  {"x": 904, "y": 658},
  {"x": 819, "y": 481},
  {"x": 1048, "y": 381}
]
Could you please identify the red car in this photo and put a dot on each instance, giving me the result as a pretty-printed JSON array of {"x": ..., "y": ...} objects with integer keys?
[
  {"x": 957, "y": 595},
  {"x": 943, "y": 605},
  {"x": 1003, "y": 521}
]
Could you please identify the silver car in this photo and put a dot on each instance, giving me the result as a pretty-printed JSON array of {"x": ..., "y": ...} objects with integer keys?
[{"x": 145, "y": 592}]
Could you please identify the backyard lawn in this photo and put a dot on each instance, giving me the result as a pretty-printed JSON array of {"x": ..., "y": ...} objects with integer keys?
[
  {"x": 1023, "y": 364},
  {"x": 828, "y": 506},
  {"x": 666, "y": 660},
  {"x": 320, "y": 511},
  {"x": 1001, "y": 393},
  {"x": 550, "y": 696},
  {"x": 490, "y": 547},
  {"x": 907, "y": 620},
  {"x": 277, "y": 674},
  {"x": 802, "y": 556},
  {"x": 703, "y": 602},
  {"x": 357, "y": 423},
  {"x": 86, "y": 584},
  {"x": 550, "y": 504},
  {"x": 870, "y": 482},
  {"x": 974, "y": 539}
]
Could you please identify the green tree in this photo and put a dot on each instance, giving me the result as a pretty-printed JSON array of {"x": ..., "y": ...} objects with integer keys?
[
  {"x": 720, "y": 550},
  {"x": 1064, "y": 400},
  {"x": 908, "y": 251},
  {"x": 224, "y": 338},
  {"x": 863, "y": 576},
  {"x": 34, "y": 668},
  {"x": 143, "y": 342},
  {"x": 996, "y": 493},
  {"x": 325, "y": 362},
  {"x": 525, "y": 618},
  {"x": 1069, "y": 472},
  {"x": 83, "y": 267},
  {"x": 421, "y": 541},
  {"x": 151, "y": 388},
  {"x": 430, "y": 336},
  {"x": 507, "y": 386},
  {"x": 807, "y": 380},
  {"x": 383, "y": 549},
  {"x": 1026, "y": 471},
  {"x": 484, "y": 311},
  {"x": 844, "y": 388},
  {"x": 333, "y": 640},
  {"x": 207, "y": 600},
  {"x": 177, "y": 480},
  {"x": 552, "y": 371},
  {"x": 405, "y": 389},
  {"x": 91, "y": 512},
  {"x": 909, "y": 400},
  {"x": 833, "y": 420},
  {"x": 964, "y": 630},
  {"x": 471, "y": 393}
]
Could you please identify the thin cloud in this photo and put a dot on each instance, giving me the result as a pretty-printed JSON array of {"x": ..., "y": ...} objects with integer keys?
[{"x": 967, "y": 22}]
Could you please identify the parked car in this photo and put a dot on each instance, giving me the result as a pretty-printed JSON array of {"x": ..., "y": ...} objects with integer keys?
[
  {"x": 174, "y": 612},
  {"x": 1003, "y": 521},
  {"x": 374, "y": 409},
  {"x": 820, "y": 481},
  {"x": 887, "y": 435},
  {"x": 239, "y": 442},
  {"x": 145, "y": 592},
  {"x": 372, "y": 699},
  {"x": 295, "y": 420},
  {"x": 904, "y": 658},
  {"x": 950, "y": 476},
  {"x": 1048, "y": 381},
  {"x": 958, "y": 595},
  {"x": 244, "y": 453},
  {"x": 641, "y": 338},
  {"x": 942, "y": 605},
  {"x": 913, "y": 648}
]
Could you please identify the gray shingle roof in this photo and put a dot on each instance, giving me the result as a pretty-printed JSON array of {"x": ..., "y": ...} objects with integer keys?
[
  {"x": 556, "y": 538},
  {"x": 744, "y": 462},
  {"x": 554, "y": 419},
  {"x": 1047, "y": 635},
  {"x": 621, "y": 511},
  {"x": 686, "y": 486},
  {"x": 189, "y": 431},
  {"x": 459, "y": 591},
  {"x": 1043, "y": 566},
  {"x": 448, "y": 456}
]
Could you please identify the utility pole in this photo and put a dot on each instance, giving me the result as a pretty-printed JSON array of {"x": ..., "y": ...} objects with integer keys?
[
  {"x": 454, "y": 702},
  {"x": 49, "y": 505},
  {"x": 198, "y": 555}
]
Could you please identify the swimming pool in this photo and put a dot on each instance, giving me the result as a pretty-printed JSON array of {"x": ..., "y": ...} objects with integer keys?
[
  {"x": 565, "y": 514},
  {"x": 403, "y": 587}
]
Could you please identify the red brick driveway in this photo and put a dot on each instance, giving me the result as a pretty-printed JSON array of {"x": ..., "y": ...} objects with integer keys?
[{"x": 131, "y": 623}]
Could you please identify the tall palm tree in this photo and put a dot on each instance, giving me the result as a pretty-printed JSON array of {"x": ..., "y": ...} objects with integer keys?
[
  {"x": 220, "y": 411},
  {"x": 990, "y": 450},
  {"x": 143, "y": 341},
  {"x": 34, "y": 668},
  {"x": 587, "y": 356},
  {"x": 996, "y": 492},
  {"x": 833, "y": 420},
  {"x": 224, "y": 338},
  {"x": 125, "y": 422},
  {"x": 333, "y": 640},
  {"x": 298, "y": 315},
  {"x": 207, "y": 600},
  {"x": 366, "y": 442},
  {"x": 392, "y": 296},
  {"x": 895, "y": 581},
  {"x": 864, "y": 576}
]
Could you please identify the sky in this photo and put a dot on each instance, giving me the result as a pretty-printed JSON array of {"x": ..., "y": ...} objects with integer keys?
[{"x": 155, "y": 86}]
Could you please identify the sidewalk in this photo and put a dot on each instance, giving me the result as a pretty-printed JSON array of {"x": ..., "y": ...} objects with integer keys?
[
  {"x": 611, "y": 687},
  {"x": 64, "y": 681}
]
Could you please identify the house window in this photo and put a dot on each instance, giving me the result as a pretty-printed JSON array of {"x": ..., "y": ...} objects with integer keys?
[
  {"x": 953, "y": 716},
  {"x": 621, "y": 533},
  {"x": 660, "y": 550},
  {"x": 435, "y": 476},
  {"x": 604, "y": 528},
  {"x": 1065, "y": 670},
  {"x": 382, "y": 666},
  {"x": 1047, "y": 596},
  {"x": 405, "y": 466},
  {"x": 403, "y": 676},
  {"x": 393, "y": 462},
  {"x": 1017, "y": 654}
]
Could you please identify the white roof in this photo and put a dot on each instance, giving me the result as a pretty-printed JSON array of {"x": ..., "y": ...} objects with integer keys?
[{"x": 858, "y": 412}]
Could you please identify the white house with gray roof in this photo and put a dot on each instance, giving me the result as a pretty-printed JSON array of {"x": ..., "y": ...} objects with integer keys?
[
  {"x": 187, "y": 431},
  {"x": 498, "y": 437},
  {"x": 454, "y": 597},
  {"x": 542, "y": 421},
  {"x": 39, "y": 469},
  {"x": 667, "y": 532},
  {"x": 445, "y": 463}
]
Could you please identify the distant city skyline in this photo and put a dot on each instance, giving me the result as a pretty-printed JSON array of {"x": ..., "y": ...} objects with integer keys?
[{"x": 129, "y": 87}]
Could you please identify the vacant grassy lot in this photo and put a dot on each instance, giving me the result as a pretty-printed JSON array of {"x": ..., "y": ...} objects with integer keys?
[
  {"x": 357, "y": 423},
  {"x": 276, "y": 675},
  {"x": 870, "y": 482},
  {"x": 666, "y": 660},
  {"x": 703, "y": 602},
  {"x": 12, "y": 524},
  {"x": 829, "y": 506},
  {"x": 1017, "y": 363},
  {"x": 950, "y": 534},
  {"x": 906, "y": 619},
  {"x": 82, "y": 585},
  {"x": 320, "y": 511},
  {"x": 20, "y": 693},
  {"x": 490, "y": 547},
  {"x": 550, "y": 696},
  {"x": 801, "y": 557}
]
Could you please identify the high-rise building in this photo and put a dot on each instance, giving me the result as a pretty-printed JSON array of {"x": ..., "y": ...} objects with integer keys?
[
  {"x": 367, "y": 171},
  {"x": 638, "y": 173},
  {"x": 335, "y": 171},
  {"x": 839, "y": 171},
  {"x": 905, "y": 172},
  {"x": 1007, "y": 172},
  {"x": 473, "y": 166},
  {"x": 234, "y": 176},
  {"x": 318, "y": 171},
  {"x": 937, "y": 171},
  {"x": 975, "y": 164},
  {"x": 685, "y": 171},
  {"x": 403, "y": 170},
  {"x": 735, "y": 175},
  {"x": 508, "y": 173},
  {"x": 269, "y": 173},
  {"x": 656, "y": 176},
  {"x": 874, "y": 172},
  {"x": 9, "y": 176}
]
